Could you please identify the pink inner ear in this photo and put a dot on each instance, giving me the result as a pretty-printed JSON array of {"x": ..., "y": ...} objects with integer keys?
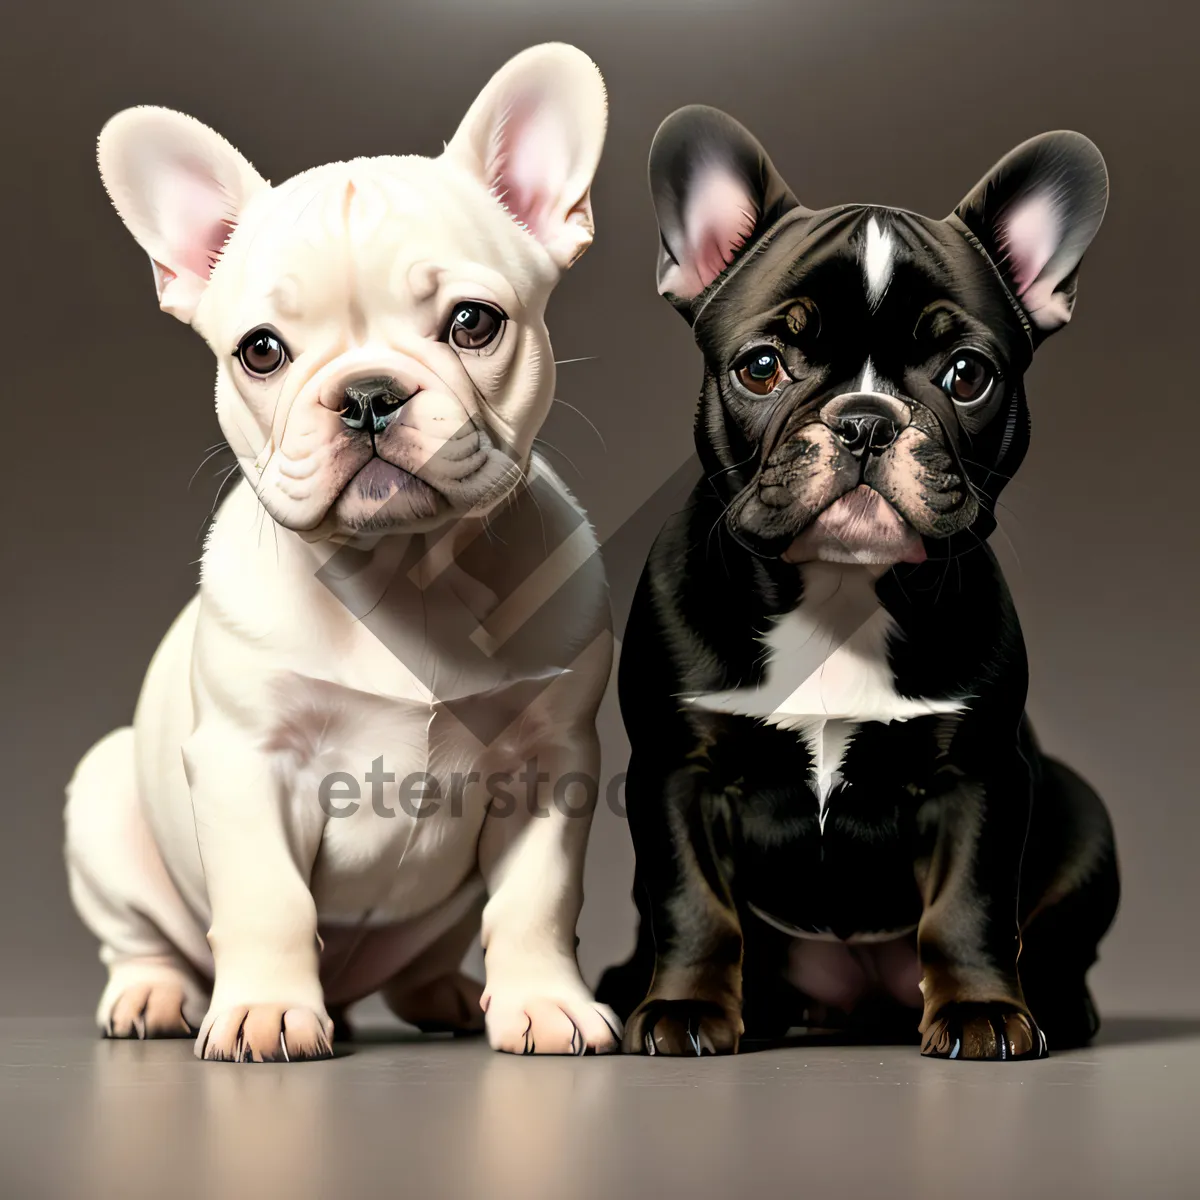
[
  {"x": 528, "y": 164},
  {"x": 717, "y": 220},
  {"x": 1031, "y": 233},
  {"x": 196, "y": 217}
]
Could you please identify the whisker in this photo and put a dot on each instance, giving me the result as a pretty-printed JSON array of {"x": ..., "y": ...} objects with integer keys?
[
  {"x": 551, "y": 446},
  {"x": 1011, "y": 512},
  {"x": 726, "y": 470},
  {"x": 713, "y": 529},
  {"x": 978, "y": 491},
  {"x": 980, "y": 544},
  {"x": 225, "y": 478},
  {"x": 212, "y": 453},
  {"x": 525, "y": 482},
  {"x": 941, "y": 582},
  {"x": 262, "y": 518},
  {"x": 984, "y": 467},
  {"x": 1011, "y": 544},
  {"x": 728, "y": 505},
  {"x": 586, "y": 418},
  {"x": 489, "y": 533}
]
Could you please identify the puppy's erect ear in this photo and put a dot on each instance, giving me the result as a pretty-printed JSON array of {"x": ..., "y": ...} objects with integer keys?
[
  {"x": 1036, "y": 212},
  {"x": 714, "y": 191},
  {"x": 534, "y": 136},
  {"x": 180, "y": 189}
]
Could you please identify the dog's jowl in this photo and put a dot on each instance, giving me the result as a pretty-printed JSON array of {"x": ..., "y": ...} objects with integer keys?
[
  {"x": 840, "y": 813},
  {"x": 401, "y": 613}
]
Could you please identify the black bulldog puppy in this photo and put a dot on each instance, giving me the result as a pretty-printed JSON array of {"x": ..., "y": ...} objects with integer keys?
[{"x": 840, "y": 813}]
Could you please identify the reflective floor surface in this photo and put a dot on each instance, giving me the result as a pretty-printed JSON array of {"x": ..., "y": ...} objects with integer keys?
[{"x": 398, "y": 1117}]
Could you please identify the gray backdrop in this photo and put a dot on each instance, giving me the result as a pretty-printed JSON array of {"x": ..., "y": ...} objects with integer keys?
[{"x": 108, "y": 404}]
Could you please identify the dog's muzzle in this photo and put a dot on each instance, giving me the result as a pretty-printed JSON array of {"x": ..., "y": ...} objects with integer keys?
[
  {"x": 372, "y": 404},
  {"x": 798, "y": 486}
]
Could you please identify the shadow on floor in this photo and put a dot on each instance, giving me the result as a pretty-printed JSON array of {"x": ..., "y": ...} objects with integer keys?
[
  {"x": 393, "y": 1035},
  {"x": 1116, "y": 1031}
]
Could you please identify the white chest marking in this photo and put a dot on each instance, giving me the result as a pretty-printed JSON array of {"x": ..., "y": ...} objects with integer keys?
[
  {"x": 827, "y": 672},
  {"x": 879, "y": 255}
]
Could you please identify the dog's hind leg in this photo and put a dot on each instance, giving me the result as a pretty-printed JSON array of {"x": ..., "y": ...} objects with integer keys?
[
  {"x": 432, "y": 992},
  {"x": 121, "y": 889},
  {"x": 1070, "y": 891}
]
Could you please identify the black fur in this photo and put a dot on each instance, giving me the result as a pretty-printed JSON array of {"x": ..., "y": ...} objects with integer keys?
[{"x": 954, "y": 826}]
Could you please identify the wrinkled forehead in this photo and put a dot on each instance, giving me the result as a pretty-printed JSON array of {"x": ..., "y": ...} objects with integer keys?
[
  {"x": 865, "y": 267},
  {"x": 394, "y": 226}
]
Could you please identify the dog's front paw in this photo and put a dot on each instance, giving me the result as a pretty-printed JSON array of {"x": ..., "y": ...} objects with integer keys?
[
  {"x": 992, "y": 1031},
  {"x": 549, "y": 1021},
  {"x": 151, "y": 1010},
  {"x": 688, "y": 1027},
  {"x": 265, "y": 1033}
]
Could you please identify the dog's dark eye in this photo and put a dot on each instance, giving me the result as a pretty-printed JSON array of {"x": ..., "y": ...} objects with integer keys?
[
  {"x": 760, "y": 371},
  {"x": 968, "y": 378},
  {"x": 262, "y": 352},
  {"x": 474, "y": 325}
]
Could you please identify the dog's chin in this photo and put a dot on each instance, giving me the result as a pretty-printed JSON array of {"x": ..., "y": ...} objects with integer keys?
[
  {"x": 383, "y": 498},
  {"x": 860, "y": 527}
]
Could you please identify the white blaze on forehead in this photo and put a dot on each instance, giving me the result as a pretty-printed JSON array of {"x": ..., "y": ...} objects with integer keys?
[
  {"x": 368, "y": 205},
  {"x": 309, "y": 211},
  {"x": 867, "y": 382},
  {"x": 879, "y": 255},
  {"x": 871, "y": 381}
]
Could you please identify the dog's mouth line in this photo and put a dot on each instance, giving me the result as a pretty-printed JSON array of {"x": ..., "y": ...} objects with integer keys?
[
  {"x": 860, "y": 525},
  {"x": 379, "y": 484},
  {"x": 380, "y": 479},
  {"x": 856, "y": 506}
]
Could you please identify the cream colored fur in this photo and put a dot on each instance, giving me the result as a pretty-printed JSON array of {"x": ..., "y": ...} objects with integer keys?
[{"x": 199, "y": 853}]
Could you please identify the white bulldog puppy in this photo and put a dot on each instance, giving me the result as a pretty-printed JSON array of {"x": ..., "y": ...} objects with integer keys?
[{"x": 383, "y": 369}]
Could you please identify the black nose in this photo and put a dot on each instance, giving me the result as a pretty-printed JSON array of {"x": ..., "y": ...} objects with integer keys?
[
  {"x": 864, "y": 433},
  {"x": 866, "y": 422},
  {"x": 371, "y": 404}
]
